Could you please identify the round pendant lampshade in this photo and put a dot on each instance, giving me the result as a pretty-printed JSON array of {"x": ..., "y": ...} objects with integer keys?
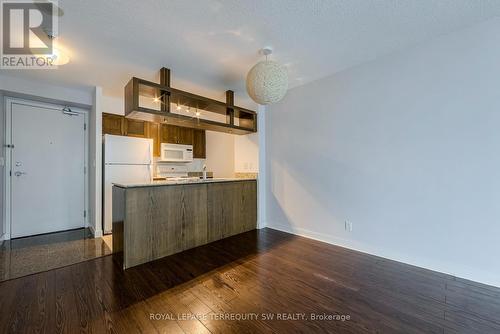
[{"x": 267, "y": 82}]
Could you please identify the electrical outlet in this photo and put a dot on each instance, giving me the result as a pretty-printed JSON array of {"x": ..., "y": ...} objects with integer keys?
[{"x": 348, "y": 226}]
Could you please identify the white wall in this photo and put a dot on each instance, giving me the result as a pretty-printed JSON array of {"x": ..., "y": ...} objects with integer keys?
[
  {"x": 46, "y": 90},
  {"x": 262, "y": 181},
  {"x": 95, "y": 157},
  {"x": 220, "y": 153},
  {"x": 406, "y": 147},
  {"x": 113, "y": 105},
  {"x": 246, "y": 153}
]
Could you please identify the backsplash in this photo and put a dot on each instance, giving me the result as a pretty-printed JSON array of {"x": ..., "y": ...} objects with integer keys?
[
  {"x": 195, "y": 166},
  {"x": 246, "y": 175},
  {"x": 192, "y": 168}
]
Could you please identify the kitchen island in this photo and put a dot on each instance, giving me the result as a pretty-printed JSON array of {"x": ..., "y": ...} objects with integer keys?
[{"x": 156, "y": 219}]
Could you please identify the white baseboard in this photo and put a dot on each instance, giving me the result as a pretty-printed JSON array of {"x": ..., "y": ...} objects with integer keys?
[
  {"x": 261, "y": 225},
  {"x": 96, "y": 234},
  {"x": 330, "y": 239}
]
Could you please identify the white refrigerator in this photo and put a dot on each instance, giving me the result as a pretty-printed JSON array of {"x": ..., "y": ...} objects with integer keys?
[{"x": 126, "y": 160}]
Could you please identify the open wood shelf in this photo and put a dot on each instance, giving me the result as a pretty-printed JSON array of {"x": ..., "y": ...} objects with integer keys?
[{"x": 150, "y": 101}]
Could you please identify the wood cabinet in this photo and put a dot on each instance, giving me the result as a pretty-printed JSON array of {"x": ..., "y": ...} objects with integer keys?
[
  {"x": 155, "y": 221},
  {"x": 136, "y": 128},
  {"x": 176, "y": 135},
  {"x": 232, "y": 208},
  {"x": 199, "y": 144},
  {"x": 185, "y": 136},
  {"x": 160, "y": 133},
  {"x": 121, "y": 126},
  {"x": 113, "y": 124},
  {"x": 179, "y": 223},
  {"x": 179, "y": 135},
  {"x": 169, "y": 134}
]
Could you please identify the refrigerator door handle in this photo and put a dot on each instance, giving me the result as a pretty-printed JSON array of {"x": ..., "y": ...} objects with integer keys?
[{"x": 149, "y": 154}]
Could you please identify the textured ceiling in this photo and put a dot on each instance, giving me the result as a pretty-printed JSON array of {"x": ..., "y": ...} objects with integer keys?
[{"x": 211, "y": 44}]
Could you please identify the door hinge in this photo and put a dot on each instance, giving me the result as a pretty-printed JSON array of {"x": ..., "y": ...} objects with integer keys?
[
  {"x": 85, "y": 126},
  {"x": 84, "y": 213}
]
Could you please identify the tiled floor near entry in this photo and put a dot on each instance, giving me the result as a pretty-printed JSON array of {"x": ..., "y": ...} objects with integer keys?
[{"x": 25, "y": 256}]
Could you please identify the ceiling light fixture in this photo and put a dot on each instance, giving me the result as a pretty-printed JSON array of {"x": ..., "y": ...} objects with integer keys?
[
  {"x": 58, "y": 57},
  {"x": 267, "y": 81}
]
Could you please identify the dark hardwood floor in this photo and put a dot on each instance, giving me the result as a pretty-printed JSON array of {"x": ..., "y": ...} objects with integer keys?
[{"x": 214, "y": 287}]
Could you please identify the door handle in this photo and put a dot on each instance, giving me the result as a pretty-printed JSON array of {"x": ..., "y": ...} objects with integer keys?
[{"x": 18, "y": 173}]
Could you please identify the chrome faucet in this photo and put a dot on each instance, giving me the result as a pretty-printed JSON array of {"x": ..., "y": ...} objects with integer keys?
[{"x": 204, "y": 172}]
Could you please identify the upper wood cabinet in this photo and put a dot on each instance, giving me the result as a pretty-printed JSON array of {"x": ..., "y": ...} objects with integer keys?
[
  {"x": 169, "y": 134},
  {"x": 199, "y": 144},
  {"x": 121, "y": 126},
  {"x": 176, "y": 135},
  {"x": 136, "y": 128},
  {"x": 160, "y": 133},
  {"x": 186, "y": 136},
  {"x": 113, "y": 124}
]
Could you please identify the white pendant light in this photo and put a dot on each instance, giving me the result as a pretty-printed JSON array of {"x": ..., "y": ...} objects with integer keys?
[{"x": 267, "y": 81}]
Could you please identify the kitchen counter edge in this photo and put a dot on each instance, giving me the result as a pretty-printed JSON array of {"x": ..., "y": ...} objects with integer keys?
[{"x": 176, "y": 183}]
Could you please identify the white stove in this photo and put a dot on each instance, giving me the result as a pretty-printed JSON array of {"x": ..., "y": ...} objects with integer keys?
[{"x": 173, "y": 173}]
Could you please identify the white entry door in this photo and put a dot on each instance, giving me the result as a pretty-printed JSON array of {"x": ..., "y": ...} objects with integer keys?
[{"x": 47, "y": 169}]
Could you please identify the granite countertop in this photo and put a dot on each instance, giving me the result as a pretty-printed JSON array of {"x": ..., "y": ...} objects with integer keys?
[{"x": 176, "y": 182}]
